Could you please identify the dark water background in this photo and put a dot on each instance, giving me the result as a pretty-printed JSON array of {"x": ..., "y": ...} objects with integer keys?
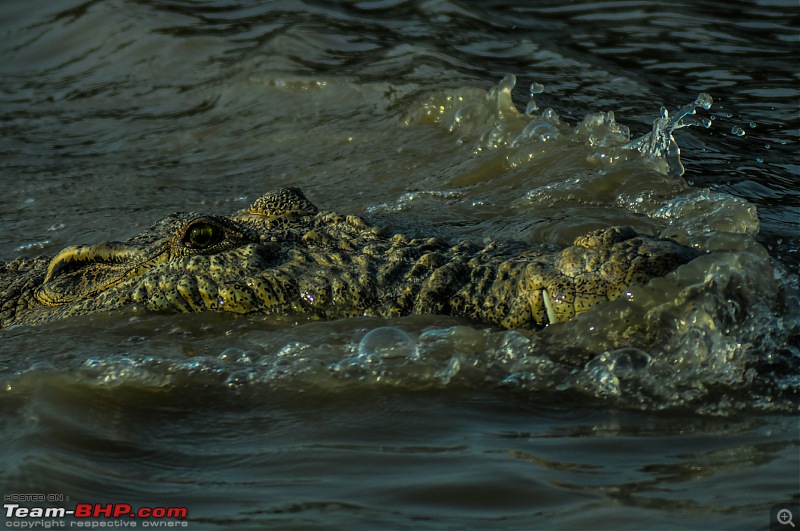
[{"x": 115, "y": 113}]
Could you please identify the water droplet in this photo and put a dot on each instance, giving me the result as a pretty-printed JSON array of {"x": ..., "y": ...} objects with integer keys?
[
  {"x": 766, "y": 146},
  {"x": 752, "y": 125},
  {"x": 759, "y": 160},
  {"x": 536, "y": 88},
  {"x": 738, "y": 131},
  {"x": 704, "y": 100}
]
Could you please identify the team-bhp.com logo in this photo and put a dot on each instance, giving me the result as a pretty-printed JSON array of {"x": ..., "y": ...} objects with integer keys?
[{"x": 94, "y": 515}]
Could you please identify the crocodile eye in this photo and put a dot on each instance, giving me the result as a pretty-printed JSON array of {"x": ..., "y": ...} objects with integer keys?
[{"x": 202, "y": 235}]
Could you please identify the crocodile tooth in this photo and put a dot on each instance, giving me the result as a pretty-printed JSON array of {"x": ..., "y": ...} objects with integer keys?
[{"x": 548, "y": 304}]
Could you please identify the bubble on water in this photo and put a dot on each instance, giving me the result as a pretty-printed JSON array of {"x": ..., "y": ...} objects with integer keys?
[
  {"x": 237, "y": 355},
  {"x": 240, "y": 378},
  {"x": 752, "y": 125},
  {"x": 386, "y": 342},
  {"x": 385, "y": 355},
  {"x": 737, "y": 131},
  {"x": 759, "y": 160}
]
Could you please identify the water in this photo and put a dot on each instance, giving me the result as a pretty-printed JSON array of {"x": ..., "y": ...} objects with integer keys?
[{"x": 676, "y": 407}]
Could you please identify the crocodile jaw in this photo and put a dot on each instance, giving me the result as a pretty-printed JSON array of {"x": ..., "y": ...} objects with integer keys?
[{"x": 81, "y": 271}]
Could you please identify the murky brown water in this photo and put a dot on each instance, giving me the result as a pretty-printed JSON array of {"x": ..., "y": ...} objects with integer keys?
[{"x": 676, "y": 408}]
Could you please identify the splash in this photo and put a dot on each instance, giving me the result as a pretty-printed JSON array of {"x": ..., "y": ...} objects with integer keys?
[
  {"x": 494, "y": 117},
  {"x": 543, "y": 127},
  {"x": 497, "y": 122},
  {"x": 659, "y": 143}
]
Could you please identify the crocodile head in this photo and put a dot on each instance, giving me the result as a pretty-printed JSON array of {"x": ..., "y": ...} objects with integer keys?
[
  {"x": 283, "y": 256},
  {"x": 82, "y": 272}
]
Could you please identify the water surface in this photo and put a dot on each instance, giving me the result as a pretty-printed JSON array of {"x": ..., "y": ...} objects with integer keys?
[{"x": 676, "y": 407}]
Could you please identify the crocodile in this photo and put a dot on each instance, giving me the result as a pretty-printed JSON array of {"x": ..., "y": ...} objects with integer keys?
[{"x": 283, "y": 256}]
